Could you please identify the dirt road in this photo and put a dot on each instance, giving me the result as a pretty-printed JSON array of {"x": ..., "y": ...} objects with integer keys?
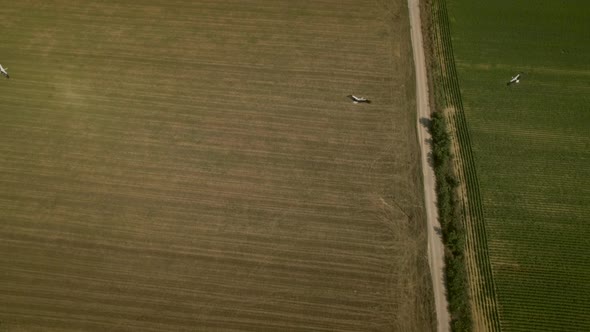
[{"x": 435, "y": 245}]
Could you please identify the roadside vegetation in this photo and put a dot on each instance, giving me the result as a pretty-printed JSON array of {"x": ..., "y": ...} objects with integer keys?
[
  {"x": 458, "y": 195},
  {"x": 452, "y": 229}
]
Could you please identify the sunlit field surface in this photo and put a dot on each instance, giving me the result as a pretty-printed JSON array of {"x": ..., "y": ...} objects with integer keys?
[
  {"x": 196, "y": 165},
  {"x": 531, "y": 148}
]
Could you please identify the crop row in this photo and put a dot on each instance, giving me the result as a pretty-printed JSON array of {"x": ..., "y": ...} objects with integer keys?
[{"x": 483, "y": 293}]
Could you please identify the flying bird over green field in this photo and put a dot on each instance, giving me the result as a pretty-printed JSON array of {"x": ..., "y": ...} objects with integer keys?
[{"x": 515, "y": 79}]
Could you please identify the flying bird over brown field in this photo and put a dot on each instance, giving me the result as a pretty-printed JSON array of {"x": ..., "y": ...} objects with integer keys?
[
  {"x": 357, "y": 100},
  {"x": 4, "y": 71}
]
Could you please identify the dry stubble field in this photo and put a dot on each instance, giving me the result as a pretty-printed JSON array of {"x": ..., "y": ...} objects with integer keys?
[{"x": 182, "y": 165}]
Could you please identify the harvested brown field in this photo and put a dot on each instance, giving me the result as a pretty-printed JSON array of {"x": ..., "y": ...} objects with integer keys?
[{"x": 195, "y": 165}]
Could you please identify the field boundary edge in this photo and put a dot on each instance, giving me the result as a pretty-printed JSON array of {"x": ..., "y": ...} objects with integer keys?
[{"x": 446, "y": 98}]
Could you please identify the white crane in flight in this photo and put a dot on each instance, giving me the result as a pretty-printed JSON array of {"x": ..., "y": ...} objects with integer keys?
[
  {"x": 4, "y": 71},
  {"x": 515, "y": 79},
  {"x": 357, "y": 100}
]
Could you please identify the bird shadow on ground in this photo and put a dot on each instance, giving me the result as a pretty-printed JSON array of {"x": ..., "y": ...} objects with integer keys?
[
  {"x": 438, "y": 231},
  {"x": 426, "y": 122}
]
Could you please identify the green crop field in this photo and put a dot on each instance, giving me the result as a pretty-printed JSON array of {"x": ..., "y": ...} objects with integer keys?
[
  {"x": 531, "y": 148},
  {"x": 196, "y": 165}
]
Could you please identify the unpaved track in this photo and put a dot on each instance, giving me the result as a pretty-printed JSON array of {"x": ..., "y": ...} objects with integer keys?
[{"x": 435, "y": 245}]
